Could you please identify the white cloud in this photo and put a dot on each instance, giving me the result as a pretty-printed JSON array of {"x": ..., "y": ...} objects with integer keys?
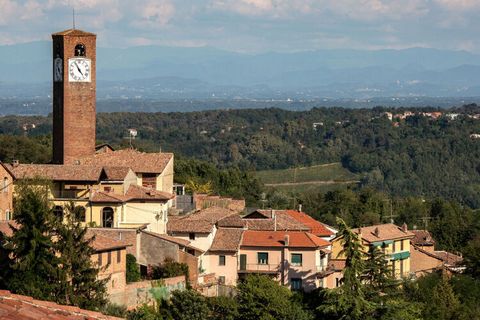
[{"x": 457, "y": 5}]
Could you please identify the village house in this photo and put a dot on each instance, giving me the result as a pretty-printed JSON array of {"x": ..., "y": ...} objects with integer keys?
[
  {"x": 392, "y": 240},
  {"x": 425, "y": 259},
  {"x": 6, "y": 193},
  {"x": 110, "y": 196}
]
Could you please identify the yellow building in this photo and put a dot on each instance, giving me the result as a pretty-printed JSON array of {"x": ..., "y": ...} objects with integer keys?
[
  {"x": 116, "y": 189},
  {"x": 393, "y": 240}
]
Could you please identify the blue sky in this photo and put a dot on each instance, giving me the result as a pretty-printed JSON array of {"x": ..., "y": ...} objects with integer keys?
[{"x": 252, "y": 25}]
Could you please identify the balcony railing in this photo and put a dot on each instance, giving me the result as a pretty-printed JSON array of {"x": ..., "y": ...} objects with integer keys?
[
  {"x": 259, "y": 268},
  {"x": 70, "y": 194}
]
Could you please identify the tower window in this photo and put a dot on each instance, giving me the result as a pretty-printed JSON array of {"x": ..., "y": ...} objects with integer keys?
[{"x": 79, "y": 50}]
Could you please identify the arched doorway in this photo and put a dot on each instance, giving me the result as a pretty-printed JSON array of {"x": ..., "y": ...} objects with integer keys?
[{"x": 107, "y": 217}]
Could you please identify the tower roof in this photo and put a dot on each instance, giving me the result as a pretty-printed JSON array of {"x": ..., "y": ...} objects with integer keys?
[{"x": 74, "y": 33}]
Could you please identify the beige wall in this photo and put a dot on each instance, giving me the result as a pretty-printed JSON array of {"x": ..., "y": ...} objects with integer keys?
[
  {"x": 116, "y": 270},
  {"x": 229, "y": 270},
  {"x": 165, "y": 179},
  {"x": 6, "y": 194},
  {"x": 137, "y": 213}
]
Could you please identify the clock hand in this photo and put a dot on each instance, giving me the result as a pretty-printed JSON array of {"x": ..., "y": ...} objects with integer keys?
[{"x": 78, "y": 68}]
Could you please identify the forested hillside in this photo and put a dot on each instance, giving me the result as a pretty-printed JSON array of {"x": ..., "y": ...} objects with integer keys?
[{"x": 418, "y": 155}]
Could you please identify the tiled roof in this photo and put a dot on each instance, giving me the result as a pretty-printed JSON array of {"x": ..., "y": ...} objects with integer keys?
[
  {"x": 138, "y": 161},
  {"x": 297, "y": 239},
  {"x": 57, "y": 172},
  {"x": 448, "y": 258},
  {"x": 316, "y": 227},
  {"x": 115, "y": 173},
  {"x": 73, "y": 32},
  {"x": 181, "y": 242},
  {"x": 189, "y": 226},
  {"x": 382, "y": 232},
  {"x": 284, "y": 222},
  {"x": 336, "y": 265},
  {"x": 422, "y": 238},
  {"x": 18, "y": 307},
  {"x": 227, "y": 239},
  {"x": 233, "y": 221},
  {"x": 135, "y": 192},
  {"x": 102, "y": 243},
  {"x": 212, "y": 214}
]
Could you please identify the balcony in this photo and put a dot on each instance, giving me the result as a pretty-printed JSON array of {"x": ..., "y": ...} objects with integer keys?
[
  {"x": 259, "y": 268},
  {"x": 70, "y": 194}
]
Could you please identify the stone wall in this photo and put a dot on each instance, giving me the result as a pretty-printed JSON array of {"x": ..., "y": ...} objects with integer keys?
[
  {"x": 153, "y": 250},
  {"x": 192, "y": 263},
  {"x": 138, "y": 293}
]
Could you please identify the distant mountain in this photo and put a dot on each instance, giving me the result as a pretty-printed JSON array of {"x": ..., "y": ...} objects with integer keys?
[{"x": 156, "y": 72}]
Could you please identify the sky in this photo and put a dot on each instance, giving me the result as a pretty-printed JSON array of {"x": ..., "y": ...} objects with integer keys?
[{"x": 252, "y": 25}]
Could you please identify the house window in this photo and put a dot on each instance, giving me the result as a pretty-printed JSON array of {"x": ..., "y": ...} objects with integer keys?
[
  {"x": 296, "y": 284},
  {"x": 109, "y": 258},
  {"x": 5, "y": 185},
  {"x": 58, "y": 212},
  {"x": 149, "y": 180},
  {"x": 100, "y": 259},
  {"x": 79, "y": 50},
  {"x": 7, "y": 215},
  {"x": 296, "y": 259},
  {"x": 337, "y": 282},
  {"x": 119, "y": 256},
  {"x": 262, "y": 257},
  {"x": 401, "y": 245},
  {"x": 80, "y": 214},
  {"x": 221, "y": 260},
  {"x": 107, "y": 217},
  {"x": 107, "y": 189},
  {"x": 221, "y": 279},
  {"x": 191, "y": 236},
  {"x": 401, "y": 266}
]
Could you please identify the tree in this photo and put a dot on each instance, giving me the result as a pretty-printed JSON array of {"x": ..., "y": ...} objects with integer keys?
[
  {"x": 188, "y": 305},
  {"x": 377, "y": 275},
  {"x": 349, "y": 300},
  {"x": 33, "y": 260},
  {"x": 223, "y": 308},
  {"x": 133, "y": 273},
  {"x": 472, "y": 257},
  {"x": 444, "y": 302},
  {"x": 260, "y": 297},
  {"x": 82, "y": 286}
]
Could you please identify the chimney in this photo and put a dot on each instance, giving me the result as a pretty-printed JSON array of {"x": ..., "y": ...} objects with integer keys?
[
  {"x": 286, "y": 240},
  {"x": 404, "y": 227},
  {"x": 376, "y": 232},
  {"x": 300, "y": 207},
  {"x": 15, "y": 163}
]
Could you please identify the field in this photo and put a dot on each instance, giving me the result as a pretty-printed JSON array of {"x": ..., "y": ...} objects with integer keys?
[{"x": 324, "y": 177}]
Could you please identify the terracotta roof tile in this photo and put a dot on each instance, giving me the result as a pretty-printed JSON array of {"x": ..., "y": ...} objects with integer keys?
[
  {"x": 233, "y": 221},
  {"x": 115, "y": 173},
  {"x": 56, "y": 172},
  {"x": 189, "y": 226},
  {"x": 284, "y": 222},
  {"x": 73, "y": 32},
  {"x": 211, "y": 214},
  {"x": 315, "y": 227},
  {"x": 422, "y": 238},
  {"x": 102, "y": 243},
  {"x": 136, "y": 160},
  {"x": 18, "y": 307},
  {"x": 448, "y": 258},
  {"x": 107, "y": 197},
  {"x": 336, "y": 265},
  {"x": 135, "y": 192},
  {"x": 297, "y": 239},
  {"x": 227, "y": 239},
  {"x": 181, "y": 242},
  {"x": 387, "y": 231}
]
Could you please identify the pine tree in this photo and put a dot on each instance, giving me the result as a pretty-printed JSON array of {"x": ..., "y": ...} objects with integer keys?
[
  {"x": 81, "y": 286},
  {"x": 377, "y": 275},
  {"x": 33, "y": 263}
]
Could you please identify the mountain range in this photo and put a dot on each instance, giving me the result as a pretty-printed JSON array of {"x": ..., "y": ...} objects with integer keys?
[{"x": 156, "y": 72}]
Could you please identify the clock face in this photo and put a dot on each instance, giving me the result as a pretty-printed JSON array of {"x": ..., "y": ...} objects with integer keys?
[{"x": 79, "y": 70}]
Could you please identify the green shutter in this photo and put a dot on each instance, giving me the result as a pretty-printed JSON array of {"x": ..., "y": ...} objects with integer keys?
[{"x": 297, "y": 259}]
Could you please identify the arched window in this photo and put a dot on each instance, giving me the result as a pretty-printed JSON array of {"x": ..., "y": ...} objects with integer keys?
[
  {"x": 80, "y": 214},
  {"x": 5, "y": 185},
  {"x": 107, "y": 217},
  {"x": 58, "y": 212},
  {"x": 79, "y": 50}
]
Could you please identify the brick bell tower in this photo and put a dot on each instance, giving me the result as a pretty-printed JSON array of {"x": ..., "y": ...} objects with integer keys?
[{"x": 74, "y": 95}]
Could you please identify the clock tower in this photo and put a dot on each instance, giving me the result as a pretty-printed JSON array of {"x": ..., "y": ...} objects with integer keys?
[{"x": 74, "y": 95}]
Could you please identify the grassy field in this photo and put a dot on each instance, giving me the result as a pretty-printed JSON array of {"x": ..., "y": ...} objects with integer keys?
[{"x": 323, "y": 178}]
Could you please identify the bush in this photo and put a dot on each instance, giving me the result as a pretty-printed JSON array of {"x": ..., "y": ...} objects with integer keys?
[
  {"x": 133, "y": 273},
  {"x": 170, "y": 269}
]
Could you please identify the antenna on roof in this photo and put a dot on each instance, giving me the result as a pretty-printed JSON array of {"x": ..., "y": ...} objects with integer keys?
[{"x": 73, "y": 16}]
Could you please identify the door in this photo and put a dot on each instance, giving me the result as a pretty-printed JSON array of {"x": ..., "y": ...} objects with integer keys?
[{"x": 243, "y": 262}]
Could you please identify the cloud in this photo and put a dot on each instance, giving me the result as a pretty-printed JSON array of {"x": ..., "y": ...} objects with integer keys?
[{"x": 458, "y": 5}]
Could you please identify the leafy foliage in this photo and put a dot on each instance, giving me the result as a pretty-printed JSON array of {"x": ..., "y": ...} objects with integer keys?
[{"x": 132, "y": 270}]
